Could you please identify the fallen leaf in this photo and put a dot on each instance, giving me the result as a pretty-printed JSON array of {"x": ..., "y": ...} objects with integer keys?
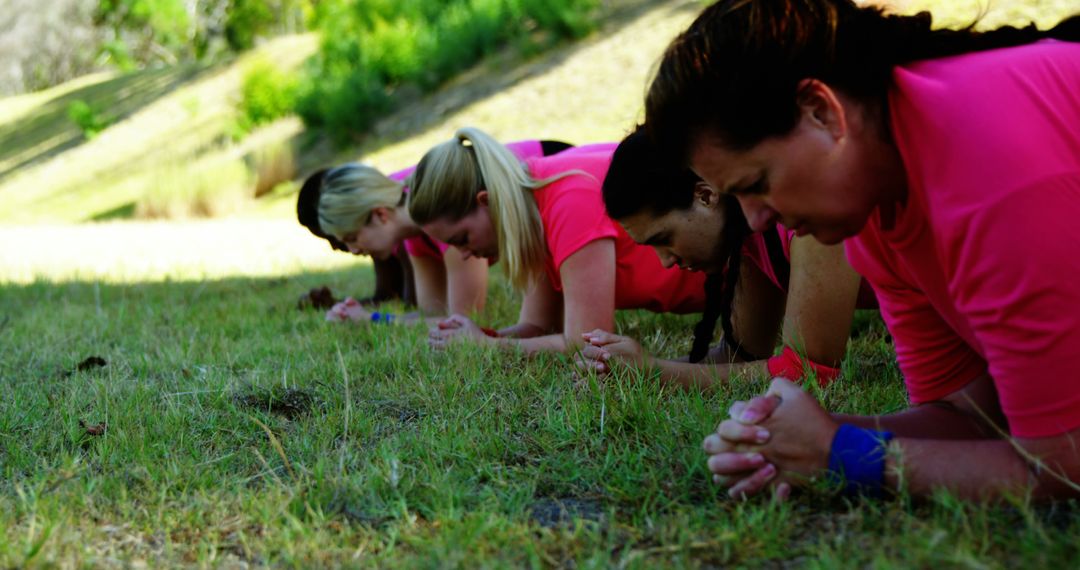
[{"x": 98, "y": 429}]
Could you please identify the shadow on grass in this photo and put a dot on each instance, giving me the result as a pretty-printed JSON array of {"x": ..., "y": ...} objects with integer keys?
[{"x": 48, "y": 131}]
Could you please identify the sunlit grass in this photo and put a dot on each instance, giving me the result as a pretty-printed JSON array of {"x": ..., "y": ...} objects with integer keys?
[{"x": 120, "y": 252}]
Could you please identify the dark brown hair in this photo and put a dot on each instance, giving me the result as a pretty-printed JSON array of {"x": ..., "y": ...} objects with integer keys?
[{"x": 734, "y": 73}]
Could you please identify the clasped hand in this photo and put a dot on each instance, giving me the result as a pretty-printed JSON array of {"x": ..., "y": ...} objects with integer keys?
[
  {"x": 776, "y": 441},
  {"x": 455, "y": 328}
]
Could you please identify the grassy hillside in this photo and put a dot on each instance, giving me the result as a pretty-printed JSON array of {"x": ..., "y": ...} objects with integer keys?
[{"x": 170, "y": 133}]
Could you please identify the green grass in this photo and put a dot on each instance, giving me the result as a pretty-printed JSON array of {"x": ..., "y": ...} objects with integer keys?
[
  {"x": 403, "y": 457},
  {"x": 239, "y": 429}
]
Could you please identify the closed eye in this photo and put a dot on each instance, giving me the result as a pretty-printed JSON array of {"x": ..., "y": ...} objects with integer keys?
[
  {"x": 757, "y": 188},
  {"x": 658, "y": 240}
]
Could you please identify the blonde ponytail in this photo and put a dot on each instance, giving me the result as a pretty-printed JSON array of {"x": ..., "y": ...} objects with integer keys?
[
  {"x": 450, "y": 176},
  {"x": 349, "y": 193}
]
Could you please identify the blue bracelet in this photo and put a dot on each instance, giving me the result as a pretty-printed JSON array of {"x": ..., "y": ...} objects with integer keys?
[
  {"x": 857, "y": 459},
  {"x": 377, "y": 317}
]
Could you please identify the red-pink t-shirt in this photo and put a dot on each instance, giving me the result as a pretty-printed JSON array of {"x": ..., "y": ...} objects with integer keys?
[
  {"x": 757, "y": 252},
  {"x": 572, "y": 211},
  {"x": 426, "y": 246},
  {"x": 980, "y": 271}
]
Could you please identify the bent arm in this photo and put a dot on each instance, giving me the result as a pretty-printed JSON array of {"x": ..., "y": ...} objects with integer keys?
[
  {"x": 466, "y": 282},
  {"x": 587, "y": 302},
  {"x": 822, "y": 292},
  {"x": 1048, "y": 467}
]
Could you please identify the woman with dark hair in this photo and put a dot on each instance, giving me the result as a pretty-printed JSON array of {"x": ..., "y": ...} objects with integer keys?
[
  {"x": 949, "y": 161},
  {"x": 761, "y": 286}
]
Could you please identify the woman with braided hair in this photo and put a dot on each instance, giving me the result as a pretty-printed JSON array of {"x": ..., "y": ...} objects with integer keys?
[{"x": 761, "y": 286}]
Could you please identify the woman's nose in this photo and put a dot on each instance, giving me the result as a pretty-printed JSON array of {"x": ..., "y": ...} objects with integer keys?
[{"x": 759, "y": 216}]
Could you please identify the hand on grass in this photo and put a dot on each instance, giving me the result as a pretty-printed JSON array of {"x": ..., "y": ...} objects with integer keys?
[
  {"x": 772, "y": 441},
  {"x": 455, "y": 328},
  {"x": 603, "y": 348},
  {"x": 348, "y": 310}
]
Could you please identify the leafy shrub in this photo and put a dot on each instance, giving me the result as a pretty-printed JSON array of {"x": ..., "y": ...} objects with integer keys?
[
  {"x": 266, "y": 94},
  {"x": 89, "y": 120},
  {"x": 370, "y": 48}
]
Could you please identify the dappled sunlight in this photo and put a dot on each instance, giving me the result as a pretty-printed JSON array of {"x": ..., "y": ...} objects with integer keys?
[{"x": 126, "y": 252}]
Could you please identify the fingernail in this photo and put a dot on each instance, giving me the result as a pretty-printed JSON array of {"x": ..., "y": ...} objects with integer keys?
[
  {"x": 754, "y": 457},
  {"x": 749, "y": 417},
  {"x": 770, "y": 471},
  {"x": 762, "y": 435}
]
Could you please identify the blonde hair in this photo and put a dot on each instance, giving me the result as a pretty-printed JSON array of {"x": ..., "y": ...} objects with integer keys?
[
  {"x": 449, "y": 177},
  {"x": 348, "y": 195}
]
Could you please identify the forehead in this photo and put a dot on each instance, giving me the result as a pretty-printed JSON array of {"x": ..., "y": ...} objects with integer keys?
[
  {"x": 444, "y": 228},
  {"x": 720, "y": 166},
  {"x": 642, "y": 225}
]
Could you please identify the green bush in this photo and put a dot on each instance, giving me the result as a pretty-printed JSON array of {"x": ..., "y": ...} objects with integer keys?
[
  {"x": 266, "y": 94},
  {"x": 370, "y": 48},
  {"x": 89, "y": 120}
]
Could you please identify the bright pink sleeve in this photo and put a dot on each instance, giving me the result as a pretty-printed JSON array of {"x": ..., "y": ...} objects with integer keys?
[
  {"x": 573, "y": 217},
  {"x": 1017, "y": 280},
  {"x": 419, "y": 247}
]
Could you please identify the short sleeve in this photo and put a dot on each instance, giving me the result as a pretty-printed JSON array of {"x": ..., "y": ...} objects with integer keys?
[
  {"x": 1017, "y": 280},
  {"x": 574, "y": 216}
]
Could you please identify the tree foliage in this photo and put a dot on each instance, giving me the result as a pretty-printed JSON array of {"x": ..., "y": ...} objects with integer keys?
[{"x": 372, "y": 47}]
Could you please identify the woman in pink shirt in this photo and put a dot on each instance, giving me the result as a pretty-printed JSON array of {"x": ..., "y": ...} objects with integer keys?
[
  {"x": 356, "y": 207},
  {"x": 771, "y": 284},
  {"x": 949, "y": 161},
  {"x": 544, "y": 220}
]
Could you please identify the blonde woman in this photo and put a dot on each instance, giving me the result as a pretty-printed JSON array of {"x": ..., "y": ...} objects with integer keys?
[
  {"x": 364, "y": 210},
  {"x": 544, "y": 218}
]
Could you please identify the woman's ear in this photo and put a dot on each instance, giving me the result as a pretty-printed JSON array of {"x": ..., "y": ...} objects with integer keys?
[
  {"x": 381, "y": 214},
  {"x": 706, "y": 195},
  {"x": 482, "y": 198},
  {"x": 822, "y": 107}
]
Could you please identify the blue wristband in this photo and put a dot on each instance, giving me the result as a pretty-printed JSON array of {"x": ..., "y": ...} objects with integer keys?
[
  {"x": 857, "y": 459},
  {"x": 377, "y": 317}
]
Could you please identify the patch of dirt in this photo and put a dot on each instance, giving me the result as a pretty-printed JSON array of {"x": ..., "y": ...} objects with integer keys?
[
  {"x": 289, "y": 403},
  {"x": 88, "y": 363},
  {"x": 317, "y": 298},
  {"x": 562, "y": 512},
  {"x": 398, "y": 411}
]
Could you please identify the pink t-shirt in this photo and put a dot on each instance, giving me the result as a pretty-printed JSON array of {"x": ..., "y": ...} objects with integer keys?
[
  {"x": 430, "y": 247},
  {"x": 980, "y": 270},
  {"x": 756, "y": 251},
  {"x": 572, "y": 211}
]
